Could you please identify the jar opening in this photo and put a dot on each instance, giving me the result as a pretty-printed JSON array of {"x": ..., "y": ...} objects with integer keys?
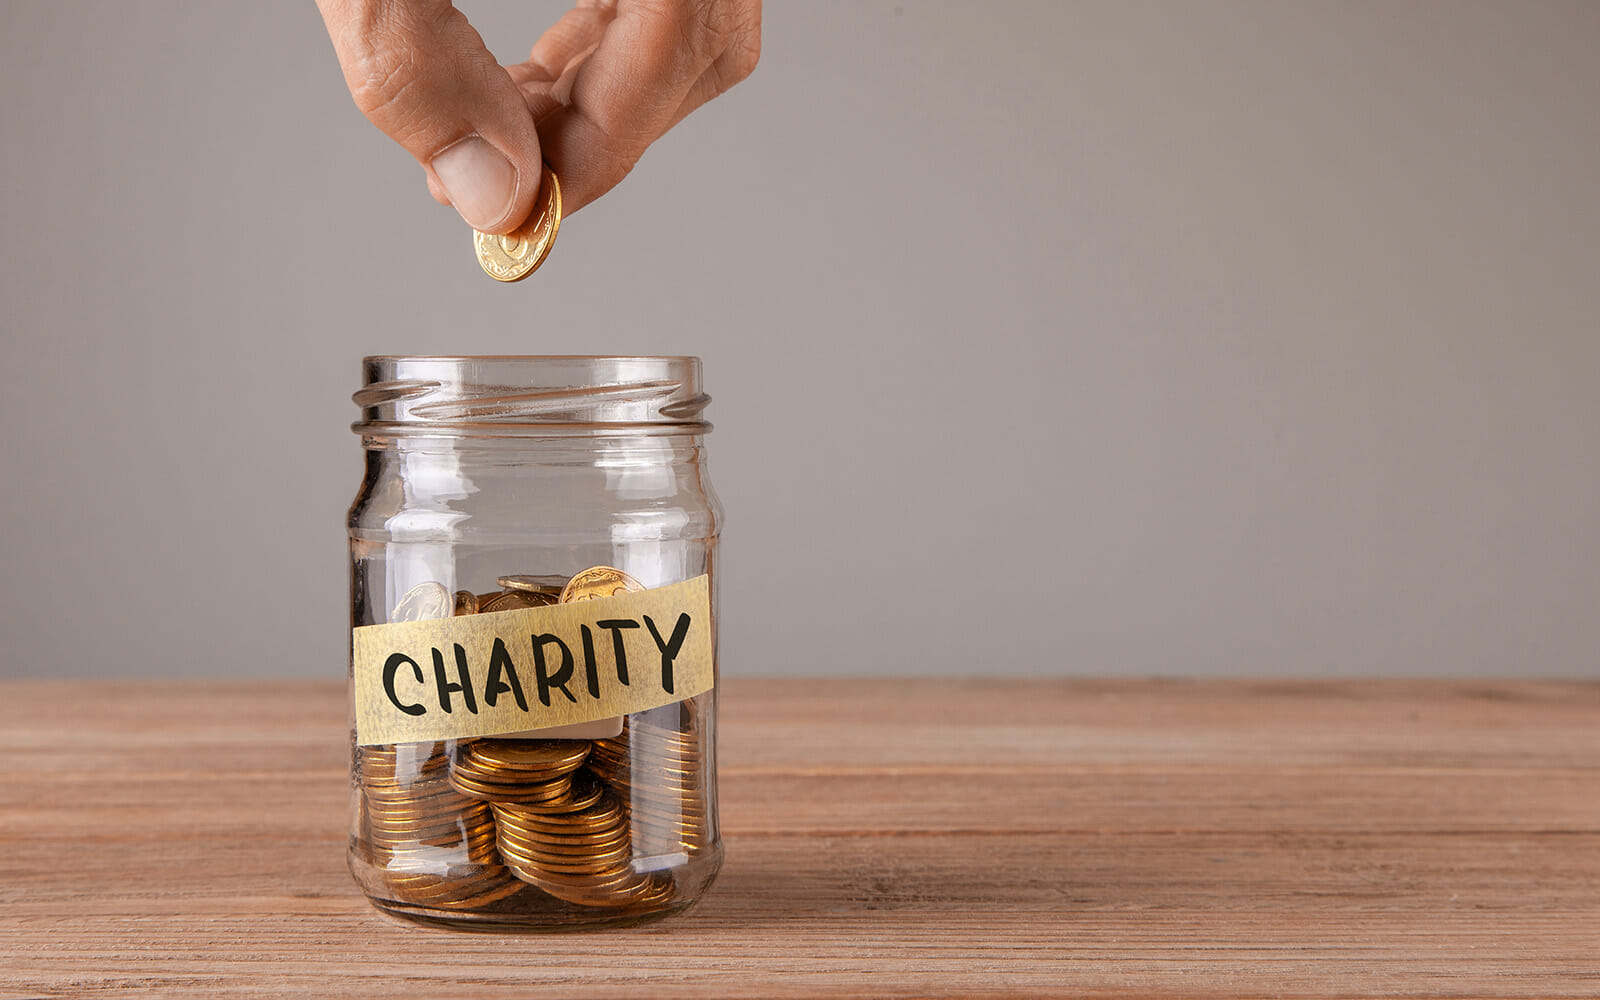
[{"x": 520, "y": 395}]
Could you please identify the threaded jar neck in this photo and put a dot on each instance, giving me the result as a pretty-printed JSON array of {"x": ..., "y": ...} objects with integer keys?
[{"x": 529, "y": 396}]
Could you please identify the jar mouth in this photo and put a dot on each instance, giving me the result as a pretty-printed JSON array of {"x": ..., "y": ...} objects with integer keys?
[{"x": 518, "y": 395}]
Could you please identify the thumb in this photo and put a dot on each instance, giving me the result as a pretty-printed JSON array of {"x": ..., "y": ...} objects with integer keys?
[{"x": 420, "y": 73}]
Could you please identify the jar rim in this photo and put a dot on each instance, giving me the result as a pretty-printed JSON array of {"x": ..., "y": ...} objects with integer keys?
[
  {"x": 686, "y": 358},
  {"x": 519, "y": 394}
]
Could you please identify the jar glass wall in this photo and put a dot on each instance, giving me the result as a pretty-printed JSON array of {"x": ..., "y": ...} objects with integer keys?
[{"x": 508, "y": 483}]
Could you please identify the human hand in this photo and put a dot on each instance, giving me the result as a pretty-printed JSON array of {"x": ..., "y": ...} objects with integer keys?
[{"x": 609, "y": 78}]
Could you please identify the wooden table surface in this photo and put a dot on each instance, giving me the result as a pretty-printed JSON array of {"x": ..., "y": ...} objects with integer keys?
[{"x": 884, "y": 839}]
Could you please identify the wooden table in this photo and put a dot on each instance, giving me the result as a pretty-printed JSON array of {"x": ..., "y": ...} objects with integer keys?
[{"x": 885, "y": 839}]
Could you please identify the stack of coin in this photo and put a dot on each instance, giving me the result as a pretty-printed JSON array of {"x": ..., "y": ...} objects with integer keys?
[
  {"x": 578, "y": 850},
  {"x": 553, "y": 826},
  {"x": 657, "y": 771},
  {"x": 434, "y": 845},
  {"x": 530, "y": 772}
]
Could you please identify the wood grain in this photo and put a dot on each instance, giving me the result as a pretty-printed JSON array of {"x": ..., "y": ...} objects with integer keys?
[{"x": 885, "y": 839}]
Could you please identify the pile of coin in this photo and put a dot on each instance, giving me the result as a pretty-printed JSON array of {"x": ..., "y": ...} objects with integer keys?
[
  {"x": 520, "y": 771},
  {"x": 556, "y": 826},
  {"x": 578, "y": 851},
  {"x": 567, "y": 816},
  {"x": 435, "y": 845}
]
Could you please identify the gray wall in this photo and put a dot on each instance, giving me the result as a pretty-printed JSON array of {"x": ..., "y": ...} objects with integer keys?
[{"x": 1045, "y": 337}]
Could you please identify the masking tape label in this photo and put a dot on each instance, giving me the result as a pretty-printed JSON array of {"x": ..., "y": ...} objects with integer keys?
[{"x": 532, "y": 668}]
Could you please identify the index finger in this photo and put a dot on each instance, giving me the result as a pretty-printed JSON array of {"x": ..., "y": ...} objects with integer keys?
[{"x": 627, "y": 93}]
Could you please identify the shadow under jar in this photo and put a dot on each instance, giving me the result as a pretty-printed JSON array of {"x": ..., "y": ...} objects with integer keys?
[{"x": 509, "y": 490}]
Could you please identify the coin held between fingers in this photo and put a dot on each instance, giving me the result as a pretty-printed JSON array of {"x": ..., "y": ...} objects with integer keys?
[{"x": 519, "y": 253}]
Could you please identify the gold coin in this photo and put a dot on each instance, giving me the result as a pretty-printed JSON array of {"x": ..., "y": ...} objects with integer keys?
[
  {"x": 388, "y": 768},
  {"x": 598, "y": 581},
  {"x": 583, "y": 793},
  {"x": 551, "y": 585},
  {"x": 441, "y": 891},
  {"x": 604, "y": 815},
  {"x": 552, "y": 757},
  {"x": 445, "y": 837},
  {"x": 427, "y": 827},
  {"x": 432, "y": 805},
  {"x": 425, "y": 786},
  {"x": 562, "y": 866},
  {"x": 554, "y": 847},
  {"x": 494, "y": 894},
  {"x": 644, "y": 757},
  {"x": 562, "y": 844},
  {"x": 670, "y": 737},
  {"x": 509, "y": 837},
  {"x": 606, "y": 888},
  {"x": 479, "y": 848},
  {"x": 405, "y": 822},
  {"x": 519, "y": 253},
  {"x": 577, "y": 827},
  {"x": 400, "y": 802},
  {"x": 521, "y": 794},
  {"x": 425, "y": 752},
  {"x": 511, "y": 600},
  {"x": 466, "y": 602},
  {"x": 648, "y": 773},
  {"x": 602, "y": 876}
]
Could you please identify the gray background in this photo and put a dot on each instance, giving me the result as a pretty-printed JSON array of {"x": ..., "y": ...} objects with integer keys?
[{"x": 1045, "y": 337}]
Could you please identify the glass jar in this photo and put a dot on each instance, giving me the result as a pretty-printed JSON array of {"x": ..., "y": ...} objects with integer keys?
[{"x": 520, "y": 758}]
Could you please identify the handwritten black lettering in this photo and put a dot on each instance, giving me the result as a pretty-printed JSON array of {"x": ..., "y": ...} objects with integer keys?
[
  {"x": 462, "y": 675},
  {"x": 669, "y": 649},
  {"x": 502, "y": 677},
  {"x": 390, "y": 667},
  {"x": 551, "y": 681}
]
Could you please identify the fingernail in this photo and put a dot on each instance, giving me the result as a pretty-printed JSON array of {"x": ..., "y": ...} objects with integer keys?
[{"x": 479, "y": 181}]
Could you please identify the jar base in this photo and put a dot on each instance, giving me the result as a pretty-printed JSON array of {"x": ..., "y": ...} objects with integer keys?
[
  {"x": 526, "y": 923},
  {"x": 531, "y": 910}
]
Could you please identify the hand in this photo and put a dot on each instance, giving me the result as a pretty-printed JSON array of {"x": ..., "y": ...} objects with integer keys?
[{"x": 608, "y": 79}]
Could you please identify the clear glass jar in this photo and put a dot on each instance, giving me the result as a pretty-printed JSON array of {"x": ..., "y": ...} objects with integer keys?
[{"x": 495, "y": 476}]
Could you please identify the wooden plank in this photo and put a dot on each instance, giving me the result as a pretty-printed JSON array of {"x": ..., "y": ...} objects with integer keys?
[
  {"x": 1264, "y": 800},
  {"x": 943, "y": 915},
  {"x": 1218, "y": 839},
  {"x": 944, "y": 721}
]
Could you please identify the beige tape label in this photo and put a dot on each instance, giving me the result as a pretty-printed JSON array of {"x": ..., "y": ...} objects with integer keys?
[{"x": 532, "y": 668}]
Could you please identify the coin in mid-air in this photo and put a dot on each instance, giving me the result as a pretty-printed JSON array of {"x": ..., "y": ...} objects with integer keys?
[
  {"x": 424, "y": 601},
  {"x": 598, "y": 581},
  {"x": 519, "y": 253}
]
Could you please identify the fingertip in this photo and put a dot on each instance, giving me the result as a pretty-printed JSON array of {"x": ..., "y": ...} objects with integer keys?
[{"x": 436, "y": 189}]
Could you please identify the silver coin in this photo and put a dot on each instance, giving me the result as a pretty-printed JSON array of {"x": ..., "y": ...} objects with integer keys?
[{"x": 423, "y": 602}]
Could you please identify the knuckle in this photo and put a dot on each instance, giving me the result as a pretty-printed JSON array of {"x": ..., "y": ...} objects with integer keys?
[
  {"x": 381, "y": 79},
  {"x": 388, "y": 69},
  {"x": 620, "y": 141},
  {"x": 742, "y": 57},
  {"x": 734, "y": 28}
]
